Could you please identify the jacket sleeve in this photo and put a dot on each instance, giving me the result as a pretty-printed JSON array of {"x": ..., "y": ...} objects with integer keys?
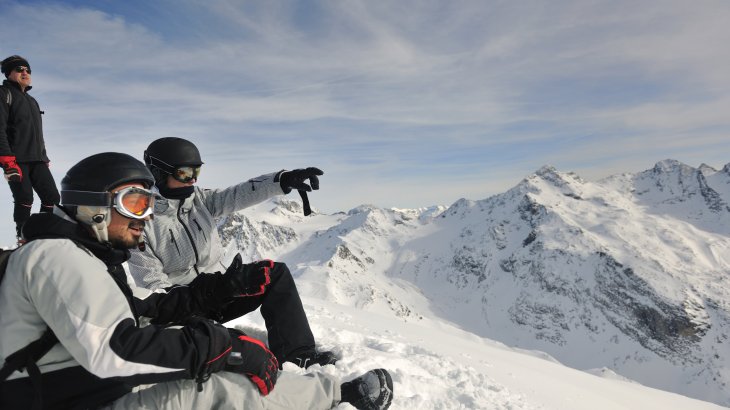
[
  {"x": 4, "y": 117},
  {"x": 222, "y": 202},
  {"x": 76, "y": 296}
]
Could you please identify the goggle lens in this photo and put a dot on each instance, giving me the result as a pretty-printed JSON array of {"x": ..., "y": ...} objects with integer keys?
[
  {"x": 134, "y": 202},
  {"x": 186, "y": 174}
]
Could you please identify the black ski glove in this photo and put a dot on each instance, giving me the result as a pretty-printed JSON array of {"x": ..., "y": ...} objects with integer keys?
[
  {"x": 295, "y": 179},
  {"x": 251, "y": 358},
  {"x": 248, "y": 279}
]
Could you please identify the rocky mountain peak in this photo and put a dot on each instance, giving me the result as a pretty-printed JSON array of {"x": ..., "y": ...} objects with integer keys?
[
  {"x": 707, "y": 169},
  {"x": 670, "y": 166}
]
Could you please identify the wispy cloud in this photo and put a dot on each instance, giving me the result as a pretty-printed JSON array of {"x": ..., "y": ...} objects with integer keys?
[{"x": 416, "y": 98}]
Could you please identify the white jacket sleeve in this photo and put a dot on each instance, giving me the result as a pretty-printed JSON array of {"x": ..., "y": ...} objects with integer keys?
[{"x": 226, "y": 201}]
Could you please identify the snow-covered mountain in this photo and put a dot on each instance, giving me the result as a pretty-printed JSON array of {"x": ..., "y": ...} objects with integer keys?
[{"x": 629, "y": 274}]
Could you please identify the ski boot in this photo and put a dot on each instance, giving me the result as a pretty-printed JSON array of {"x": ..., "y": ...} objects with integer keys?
[
  {"x": 311, "y": 357},
  {"x": 371, "y": 391}
]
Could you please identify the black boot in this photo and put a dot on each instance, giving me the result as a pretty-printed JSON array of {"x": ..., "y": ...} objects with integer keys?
[
  {"x": 19, "y": 235},
  {"x": 310, "y": 357},
  {"x": 371, "y": 391}
]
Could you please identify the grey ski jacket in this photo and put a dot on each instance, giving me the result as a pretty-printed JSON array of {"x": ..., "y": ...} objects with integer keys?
[{"x": 182, "y": 240}]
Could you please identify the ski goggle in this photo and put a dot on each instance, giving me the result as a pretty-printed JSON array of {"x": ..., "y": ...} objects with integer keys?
[
  {"x": 134, "y": 202},
  {"x": 185, "y": 174}
]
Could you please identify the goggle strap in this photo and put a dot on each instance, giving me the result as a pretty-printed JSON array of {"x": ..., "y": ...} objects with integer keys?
[
  {"x": 158, "y": 163},
  {"x": 86, "y": 198}
]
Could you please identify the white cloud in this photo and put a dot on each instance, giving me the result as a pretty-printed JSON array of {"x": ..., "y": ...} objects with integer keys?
[{"x": 409, "y": 88}]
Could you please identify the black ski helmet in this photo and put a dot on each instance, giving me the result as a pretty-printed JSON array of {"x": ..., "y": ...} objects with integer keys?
[
  {"x": 83, "y": 188},
  {"x": 166, "y": 154},
  {"x": 102, "y": 172}
]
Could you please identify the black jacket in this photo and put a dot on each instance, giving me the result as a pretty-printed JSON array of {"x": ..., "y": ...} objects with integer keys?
[{"x": 21, "y": 127}]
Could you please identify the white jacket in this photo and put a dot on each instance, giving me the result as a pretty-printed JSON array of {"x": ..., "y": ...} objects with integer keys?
[
  {"x": 63, "y": 285},
  {"x": 182, "y": 240}
]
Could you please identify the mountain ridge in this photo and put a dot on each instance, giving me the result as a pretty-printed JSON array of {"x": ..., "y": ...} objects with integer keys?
[{"x": 627, "y": 273}]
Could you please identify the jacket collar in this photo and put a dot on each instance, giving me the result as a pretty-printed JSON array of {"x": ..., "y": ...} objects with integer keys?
[
  {"x": 9, "y": 83},
  {"x": 164, "y": 205}
]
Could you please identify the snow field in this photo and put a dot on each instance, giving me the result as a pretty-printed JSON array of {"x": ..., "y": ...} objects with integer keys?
[{"x": 437, "y": 366}]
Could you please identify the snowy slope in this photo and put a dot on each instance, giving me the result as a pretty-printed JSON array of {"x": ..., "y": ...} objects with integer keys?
[
  {"x": 628, "y": 275},
  {"x": 438, "y": 366}
]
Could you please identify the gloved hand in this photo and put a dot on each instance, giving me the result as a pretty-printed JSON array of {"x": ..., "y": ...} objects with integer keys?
[
  {"x": 251, "y": 358},
  {"x": 295, "y": 179},
  {"x": 13, "y": 172},
  {"x": 248, "y": 279}
]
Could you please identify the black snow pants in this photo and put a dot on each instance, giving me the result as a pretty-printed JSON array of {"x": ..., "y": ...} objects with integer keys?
[
  {"x": 281, "y": 307},
  {"x": 36, "y": 176}
]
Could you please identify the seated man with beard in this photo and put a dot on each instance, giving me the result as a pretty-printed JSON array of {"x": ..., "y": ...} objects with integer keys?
[{"x": 77, "y": 332}]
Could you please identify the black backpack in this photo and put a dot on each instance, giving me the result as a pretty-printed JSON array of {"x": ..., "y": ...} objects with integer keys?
[
  {"x": 8, "y": 97},
  {"x": 27, "y": 357}
]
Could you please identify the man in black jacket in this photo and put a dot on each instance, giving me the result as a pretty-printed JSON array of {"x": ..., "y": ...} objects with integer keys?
[
  {"x": 22, "y": 149},
  {"x": 108, "y": 336}
]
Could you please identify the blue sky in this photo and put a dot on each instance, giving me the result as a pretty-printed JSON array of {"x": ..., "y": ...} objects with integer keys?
[{"x": 401, "y": 103}]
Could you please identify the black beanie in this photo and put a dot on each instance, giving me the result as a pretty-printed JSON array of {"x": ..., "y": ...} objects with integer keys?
[{"x": 11, "y": 62}]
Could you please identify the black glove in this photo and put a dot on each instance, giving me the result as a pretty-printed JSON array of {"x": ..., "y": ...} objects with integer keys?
[
  {"x": 251, "y": 358},
  {"x": 295, "y": 179},
  {"x": 248, "y": 279}
]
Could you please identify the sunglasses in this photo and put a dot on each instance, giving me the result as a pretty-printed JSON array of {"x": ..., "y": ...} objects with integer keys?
[
  {"x": 134, "y": 202},
  {"x": 186, "y": 174},
  {"x": 21, "y": 69}
]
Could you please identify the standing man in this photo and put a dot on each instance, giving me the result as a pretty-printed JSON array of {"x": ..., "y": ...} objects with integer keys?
[
  {"x": 22, "y": 149},
  {"x": 182, "y": 244},
  {"x": 77, "y": 333}
]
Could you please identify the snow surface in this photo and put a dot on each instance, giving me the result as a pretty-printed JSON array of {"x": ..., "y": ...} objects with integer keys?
[{"x": 438, "y": 366}]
